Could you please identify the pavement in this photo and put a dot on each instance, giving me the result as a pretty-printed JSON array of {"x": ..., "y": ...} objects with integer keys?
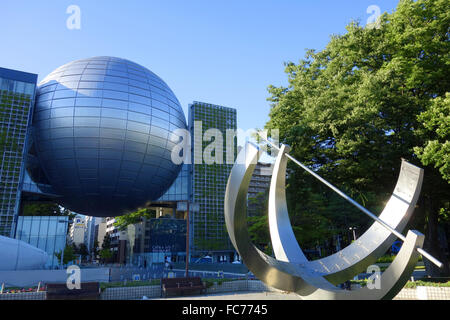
[
  {"x": 239, "y": 296},
  {"x": 250, "y": 295}
]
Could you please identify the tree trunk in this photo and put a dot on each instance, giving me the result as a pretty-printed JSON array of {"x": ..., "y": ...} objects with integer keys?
[{"x": 432, "y": 245}]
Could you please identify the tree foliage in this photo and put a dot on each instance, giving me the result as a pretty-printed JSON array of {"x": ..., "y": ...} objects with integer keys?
[
  {"x": 105, "y": 255},
  {"x": 436, "y": 131},
  {"x": 106, "y": 242},
  {"x": 37, "y": 208},
  {"x": 95, "y": 249},
  {"x": 258, "y": 224},
  {"x": 69, "y": 255},
  {"x": 354, "y": 109},
  {"x": 257, "y": 205},
  {"x": 135, "y": 217},
  {"x": 83, "y": 250}
]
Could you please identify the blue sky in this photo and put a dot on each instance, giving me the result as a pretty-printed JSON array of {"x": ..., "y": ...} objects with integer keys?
[{"x": 221, "y": 52}]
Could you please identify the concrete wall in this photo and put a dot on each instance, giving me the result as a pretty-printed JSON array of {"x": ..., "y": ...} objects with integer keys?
[
  {"x": 131, "y": 293},
  {"x": 136, "y": 293},
  {"x": 24, "y": 296},
  {"x": 33, "y": 277}
]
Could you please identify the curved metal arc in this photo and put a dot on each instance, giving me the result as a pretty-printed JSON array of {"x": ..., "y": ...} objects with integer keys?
[
  {"x": 389, "y": 283},
  {"x": 355, "y": 258},
  {"x": 291, "y": 276},
  {"x": 235, "y": 209},
  {"x": 284, "y": 243},
  {"x": 339, "y": 192}
]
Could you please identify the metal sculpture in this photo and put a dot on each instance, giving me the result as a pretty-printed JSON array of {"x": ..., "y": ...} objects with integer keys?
[
  {"x": 104, "y": 129},
  {"x": 291, "y": 270}
]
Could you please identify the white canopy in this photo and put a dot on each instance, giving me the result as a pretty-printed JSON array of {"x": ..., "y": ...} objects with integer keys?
[{"x": 19, "y": 255}]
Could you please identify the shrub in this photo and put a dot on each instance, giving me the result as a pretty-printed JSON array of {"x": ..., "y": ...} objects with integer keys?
[{"x": 425, "y": 283}]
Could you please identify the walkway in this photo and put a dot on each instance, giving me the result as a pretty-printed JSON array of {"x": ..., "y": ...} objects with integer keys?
[
  {"x": 238, "y": 296},
  {"x": 243, "y": 296}
]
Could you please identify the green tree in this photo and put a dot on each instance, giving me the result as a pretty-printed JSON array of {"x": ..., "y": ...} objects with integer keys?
[
  {"x": 106, "y": 242},
  {"x": 105, "y": 255},
  {"x": 258, "y": 225},
  {"x": 38, "y": 208},
  {"x": 83, "y": 250},
  {"x": 69, "y": 255},
  {"x": 258, "y": 228},
  {"x": 436, "y": 135},
  {"x": 75, "y": 248},
  {"x": 257, "y": 205},
  {"x": 95, "y": 250},
  {"x": 135, "y": 217},
  {"x": 354, "y": 109}
]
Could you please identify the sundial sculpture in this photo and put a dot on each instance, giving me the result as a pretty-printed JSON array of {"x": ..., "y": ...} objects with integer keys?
[{"x": 290, "y": 270}]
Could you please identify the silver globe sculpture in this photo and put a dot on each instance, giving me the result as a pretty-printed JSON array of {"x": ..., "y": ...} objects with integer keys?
[{"x": 103, "y": 130}]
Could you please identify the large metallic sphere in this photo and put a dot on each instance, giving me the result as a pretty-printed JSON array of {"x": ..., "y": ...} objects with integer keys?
[{"x": 103, "y": 130}]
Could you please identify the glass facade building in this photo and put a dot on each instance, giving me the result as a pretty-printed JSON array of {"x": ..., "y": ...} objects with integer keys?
[
  {"x": 155, "y": 239},
  {"x": 258, "y": 189},
  {"x": 209, "y": 234},
  {"x": 167, "y": 235},
  {"x": 179, "y": 190},
  {"x": 17, "y": 93},
  {"x": 203, "y": 185},
  {"x": 46, "y": 233}
]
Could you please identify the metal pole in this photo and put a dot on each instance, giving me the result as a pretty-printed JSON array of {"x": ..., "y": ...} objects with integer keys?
[
  {"x": 354, "y": 234},
  {"x": 356, "y": 204},
  {"x": 187, "y": 240}
]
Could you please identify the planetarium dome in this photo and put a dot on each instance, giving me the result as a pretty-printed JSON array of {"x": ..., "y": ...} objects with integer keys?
[{"x": 103, "y": 130}]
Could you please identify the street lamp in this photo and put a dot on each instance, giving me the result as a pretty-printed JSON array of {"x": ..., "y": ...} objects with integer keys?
[
  {"x": 62, "y": 251},
  {"x": 354, "y": 234},
  {"x": 194, "y": 208},
  {"x": 354, "y": 238}
]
